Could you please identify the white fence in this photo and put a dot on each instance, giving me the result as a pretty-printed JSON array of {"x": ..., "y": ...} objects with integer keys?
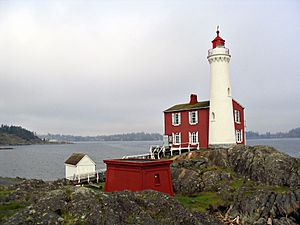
[{"x": 87, "y": 176}]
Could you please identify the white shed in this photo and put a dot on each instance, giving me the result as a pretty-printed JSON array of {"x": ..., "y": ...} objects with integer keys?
[{"x": 80, "y": 166}]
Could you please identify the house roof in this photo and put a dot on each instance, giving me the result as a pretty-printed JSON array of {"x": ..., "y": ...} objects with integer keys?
[
  {"x": 188, "y": 106},
  {"x": 74, "y": 158}
]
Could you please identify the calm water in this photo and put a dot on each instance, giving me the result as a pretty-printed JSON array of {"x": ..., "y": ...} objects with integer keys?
[{"x": 47, "y": 161}]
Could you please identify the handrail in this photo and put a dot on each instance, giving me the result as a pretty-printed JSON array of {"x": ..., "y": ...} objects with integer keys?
[
  {"x": 215, "y": 51},
  {"x": 186, "y": 143},
  {"x": 81, "y": 176},
  {"x": 137, "y": 156}
]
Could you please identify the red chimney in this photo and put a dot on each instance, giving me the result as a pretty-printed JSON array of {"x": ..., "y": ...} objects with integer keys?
[{"x": 193, "y": 99}]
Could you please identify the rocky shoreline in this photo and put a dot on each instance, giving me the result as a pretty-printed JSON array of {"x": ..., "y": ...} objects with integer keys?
[
  {"x": 255, "y": 183},
  {"x": 242, "y": 185}
]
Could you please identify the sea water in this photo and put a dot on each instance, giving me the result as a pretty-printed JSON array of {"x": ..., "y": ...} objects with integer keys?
[{"x": 47, "y": 161}]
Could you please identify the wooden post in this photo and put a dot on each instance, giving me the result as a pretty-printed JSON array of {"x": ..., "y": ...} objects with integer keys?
[
  {"x": 88, "y": 178},
  {"x": 97, "y": 178}
]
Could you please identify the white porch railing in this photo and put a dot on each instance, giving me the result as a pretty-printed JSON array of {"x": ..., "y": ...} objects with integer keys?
[
  {"x": 184, "y": 146},
  {"x": 158, "y": 151},
  {"x": 86, "y": 176},
  {"x": 140, "y": 156}
]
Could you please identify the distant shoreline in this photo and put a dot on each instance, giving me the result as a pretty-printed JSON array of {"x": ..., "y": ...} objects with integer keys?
[
  {"x": 7, "y": 146},
  {"x": 270, "y": 138}
]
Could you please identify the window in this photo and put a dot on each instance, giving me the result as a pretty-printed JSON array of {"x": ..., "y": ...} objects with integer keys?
[
  {"x": 193, "y": 137},
  {"x": 176, "y": 138},
  {"x": 239, "y": 136},
  {"x": 237, "y": 117},
  {"x": 213, "y": 116},
  {"x": 228, "y": 92},
  {"x": 193, "y": 117},
  {"x": 176, "y": 119}
]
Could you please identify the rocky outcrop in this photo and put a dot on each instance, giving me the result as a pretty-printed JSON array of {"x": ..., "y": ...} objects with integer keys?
[
  {"x": 254, "y": 183},
  {"x": 259, "y": 163},
  {"x": 282, "y": 207},
  {"x": 190, "y": 177},
  {"x": 59, "y": 203},
  {"x": 250, "y": 185}
]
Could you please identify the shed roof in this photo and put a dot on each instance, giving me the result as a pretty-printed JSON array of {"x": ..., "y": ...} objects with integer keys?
[
  {"x": 188, "y": 106},
  {"x": 74, "y": 158}
]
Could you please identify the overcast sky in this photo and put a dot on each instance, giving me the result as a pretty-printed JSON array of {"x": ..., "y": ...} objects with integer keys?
[{"x": 102, "y": 67}]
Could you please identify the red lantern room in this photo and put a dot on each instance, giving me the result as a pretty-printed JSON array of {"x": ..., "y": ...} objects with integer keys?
[
  {"x": 218, "y": 41},
  {"x": 138, "y": 174}
]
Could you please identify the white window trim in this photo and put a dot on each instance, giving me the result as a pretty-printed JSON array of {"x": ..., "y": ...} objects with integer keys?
[
  {"x": 196, "y": 117},
  {"x": 213, "y": 117},
  {"x": 174, "y": 138},
  {"x": 191, "y": 138},
  {"x": 237, "y": 134},
  {"x": 173, "y": 119},
  {"x": 237, "y": 116}
]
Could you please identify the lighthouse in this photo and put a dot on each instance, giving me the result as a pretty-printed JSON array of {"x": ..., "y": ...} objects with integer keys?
[
  {"x": 221, "y": 120},
  {"x": 215, "y": 123}
]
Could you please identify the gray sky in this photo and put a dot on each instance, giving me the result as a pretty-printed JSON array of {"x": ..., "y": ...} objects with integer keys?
[{"x": 102, "y": 67}]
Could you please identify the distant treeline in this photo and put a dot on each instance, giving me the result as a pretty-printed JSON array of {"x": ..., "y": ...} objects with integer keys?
[
  {"x": 18, "y": 131},
  {"x": 16, "y": 135},
  {"x": 294, "y": 133},
  {"x": 140, "y": 136}
]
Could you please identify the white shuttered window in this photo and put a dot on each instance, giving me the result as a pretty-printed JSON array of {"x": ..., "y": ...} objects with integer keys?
[
  {"x": 193, "y": 117},
  {"x": 176, "y": 138},
  {"x": 237, "y": 117},
  {"x": 239, "y": 136},
  {"x": 193, "y": 138},
  {"x": 176, "y": 120}
]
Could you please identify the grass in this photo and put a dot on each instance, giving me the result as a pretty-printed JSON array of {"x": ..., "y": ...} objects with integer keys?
[
  {"x": 98, "y": 186},
  {"x": 276, "y": 189},
  {"x": 68, "y": 194},
  {"x": 9, "y": 208},
  {"x": 254, "y": 186},
  {"x": 218, "y": 168},
  {"x": 4, "y": 193},
  {"x": 280, "y": 189},
  {"x": 200, "y": 202},
  {"x": 68, "y": 218},
  {"x": 238, "y": 183}
]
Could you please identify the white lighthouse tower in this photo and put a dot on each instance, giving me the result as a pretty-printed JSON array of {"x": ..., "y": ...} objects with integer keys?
[{"x": 221, "y": 120}]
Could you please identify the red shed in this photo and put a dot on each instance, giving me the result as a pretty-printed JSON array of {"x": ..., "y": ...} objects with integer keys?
[{"x": 138, "y": 174}]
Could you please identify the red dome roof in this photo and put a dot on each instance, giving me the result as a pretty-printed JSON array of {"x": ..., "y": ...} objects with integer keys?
[{"x": 218, "y": 41}]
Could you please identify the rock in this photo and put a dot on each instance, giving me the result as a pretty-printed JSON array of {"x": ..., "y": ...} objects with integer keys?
[
  {"x": 81, "y": 205},
  {"x": 186, "y": 181},
  {"x": 257, "y": 181},
  {"x": 254, "y": 183},
  {"x": 259, "y": 163},
  {"x": 265, "y": 164}
]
